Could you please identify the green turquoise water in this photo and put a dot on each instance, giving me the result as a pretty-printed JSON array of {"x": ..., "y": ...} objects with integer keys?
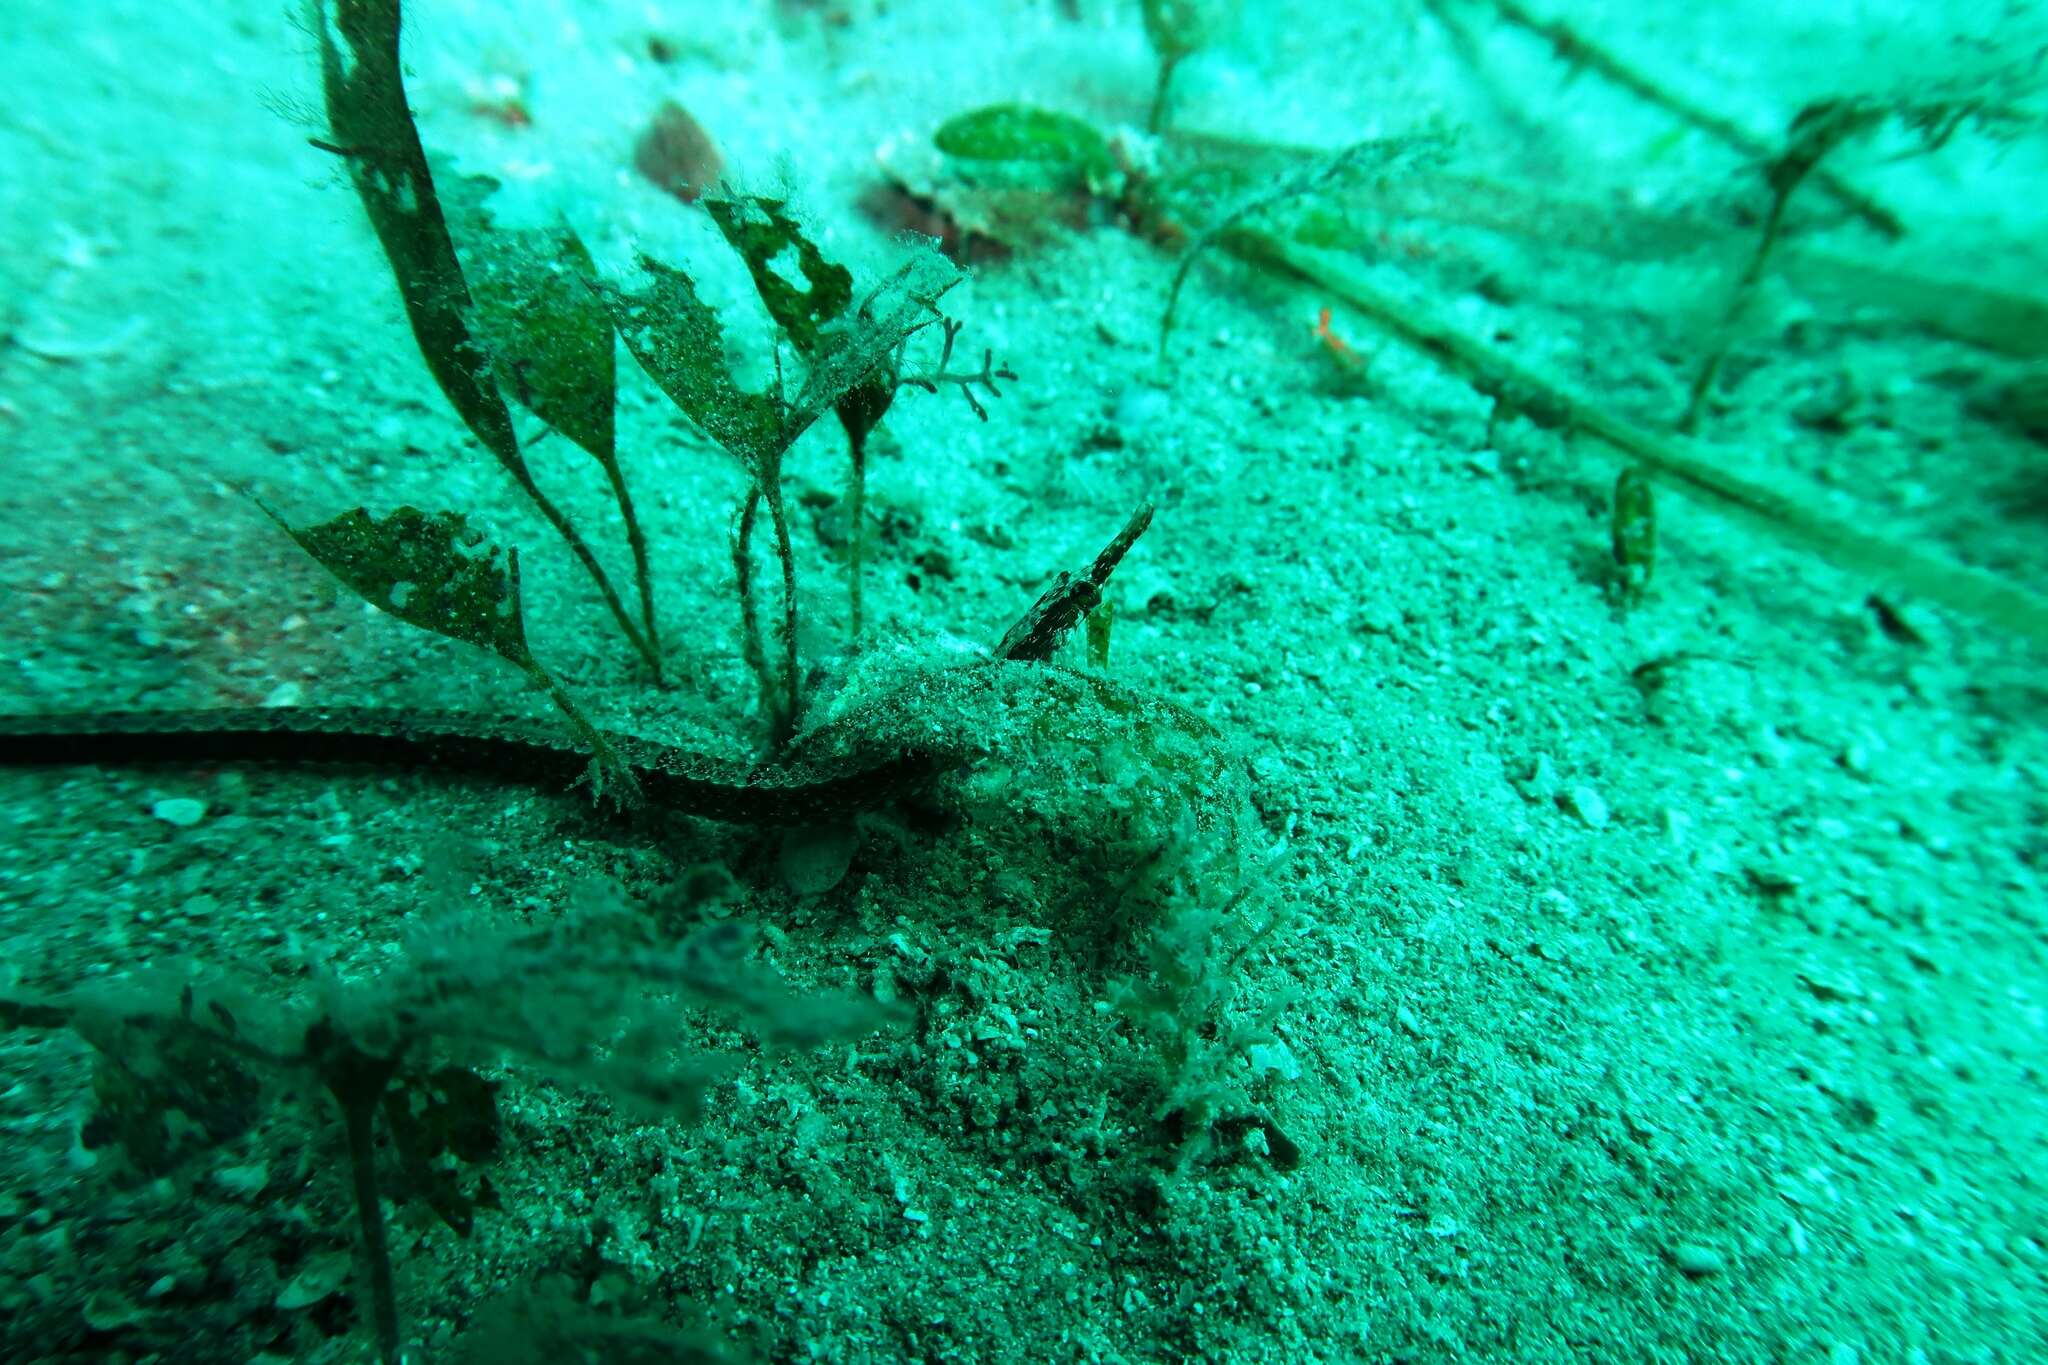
[{"x": 1063, "y": 680}]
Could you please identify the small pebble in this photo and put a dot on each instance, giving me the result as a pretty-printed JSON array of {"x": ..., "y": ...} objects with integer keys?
[
  {"x": 1697, "y": 1260},
  {"x": 182, "y": 811},
  {"x": 106, "y": 1311},
  {"x": 318, "y": 1279},
  {"x": 285, "y": 694},
  {"x": 1772, "y": 750},
  {"x": 1589, "y": 805},
  {"x": 815, "y": 858},
  {"x": 1541, "y": 783},
  {"x": 1378, "y": 618}
]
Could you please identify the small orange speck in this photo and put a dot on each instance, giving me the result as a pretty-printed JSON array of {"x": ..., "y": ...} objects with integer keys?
[{"x": 1340, "y": 350}]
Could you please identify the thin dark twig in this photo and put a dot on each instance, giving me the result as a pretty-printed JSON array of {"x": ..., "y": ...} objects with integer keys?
[
  {"x": 986, "y": 376},
  {"x": 1033, "y": 637}
]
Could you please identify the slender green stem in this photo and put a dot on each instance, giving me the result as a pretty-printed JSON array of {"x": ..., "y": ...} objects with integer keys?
[
  {"x": 1738, "y": 300},
  {"x": 785, "y": 551},
  {"x": 357, "y": 1117},
  {"x": 751, "y": 646},
  {"x": 357, "y": 1080},
  {"x": 1155, "y": 120},
  {"x": 614, "y": 777},
  {"x": 636, "y": 539},
  {"x": 856, "y": 528},
  {"x": 581, "y": 549}
]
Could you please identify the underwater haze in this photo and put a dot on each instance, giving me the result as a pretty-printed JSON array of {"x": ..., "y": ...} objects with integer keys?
[{"x": 1049, "y": 680}]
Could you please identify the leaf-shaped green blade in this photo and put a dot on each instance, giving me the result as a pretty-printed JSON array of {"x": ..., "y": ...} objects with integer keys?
[
  {"x": 372, "y": 127},
  {"x": 550, "y": 343},
  {"x": 678, "y": 340},
  {"x": 429, "y": 570},
  {"x": 1020, "y": 133},
  {"x": 767, "y": 236},
  {"x": 550, "y": 340}
]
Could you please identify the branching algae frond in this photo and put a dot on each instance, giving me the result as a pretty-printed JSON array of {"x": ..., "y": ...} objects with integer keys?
[
  {"x": 371, "y": 128},
  {"x": 589, "y": 1001},
  {"x": 525, "y": 314}
]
